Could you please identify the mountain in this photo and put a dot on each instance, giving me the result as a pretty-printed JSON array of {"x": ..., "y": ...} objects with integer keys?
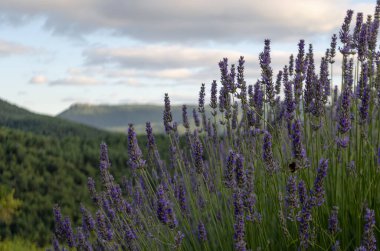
[
  {"x": 12, "y": 116},
  {"x": 117, "y": 117}
]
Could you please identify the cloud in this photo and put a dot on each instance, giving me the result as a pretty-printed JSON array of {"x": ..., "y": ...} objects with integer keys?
[
  {"x": 187, "y": 21},
  {"x": 10, "y": 48},
  {"x": 76, "y": 81},
  {"x": 38, "y": 79},
  {"x": 158, "y": 56}
]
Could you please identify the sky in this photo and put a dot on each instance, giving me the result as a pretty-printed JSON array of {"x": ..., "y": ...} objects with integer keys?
[{"x": 54, "y": 53}]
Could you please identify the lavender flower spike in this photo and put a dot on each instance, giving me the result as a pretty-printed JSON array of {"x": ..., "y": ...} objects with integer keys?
[
  {"x": 135, "y": 160},
  {"x": 291, "y": 199},
  {"x": 167, "y": 117},
  {"x": 185, "y": 119},
  {"x": 198, "y": 155},
  {"x": 230, "y": 169},
  {"x": 266, "y": 72},
  {"x": 164, "y": 211},
  {"x": 214, "y": 98},
  {"x": 202, "y": 233},
  {"x": 318, "y": 192},
  {"x": 369, "y": 238},
  {"x": 333, "y": 221},
  {"x": 270, "y": 164},
  {"x": 299, "y": 152}
]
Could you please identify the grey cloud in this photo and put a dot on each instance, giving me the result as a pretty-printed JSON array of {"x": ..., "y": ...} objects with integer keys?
[{"x": 188, "y": 21}]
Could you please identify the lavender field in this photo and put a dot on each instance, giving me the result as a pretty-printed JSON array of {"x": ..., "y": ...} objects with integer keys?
[{"x": 291, "y": 162}]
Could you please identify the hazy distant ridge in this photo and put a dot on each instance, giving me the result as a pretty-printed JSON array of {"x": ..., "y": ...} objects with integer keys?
[{"x": 117, "y": 117}]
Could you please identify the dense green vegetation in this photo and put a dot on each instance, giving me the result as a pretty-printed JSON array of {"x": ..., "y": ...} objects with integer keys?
[{"x": 47, "y": 161}]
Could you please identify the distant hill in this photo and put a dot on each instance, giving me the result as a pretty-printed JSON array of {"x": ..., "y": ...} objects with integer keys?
[
  {"x": 47, "y": 160},
  {"x": 117, "y": 117},
  {"x": 12, "y": 116}
]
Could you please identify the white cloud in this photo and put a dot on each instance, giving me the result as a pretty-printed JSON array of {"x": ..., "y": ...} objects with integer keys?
[
  {"x": 38, "y": 79},
  {"x": 159, "y": 56},
  {"x": 76, "y": 81}
]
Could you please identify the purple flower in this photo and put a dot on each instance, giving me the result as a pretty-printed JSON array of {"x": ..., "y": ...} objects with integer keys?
[
  {"x": 182, "y": 199},
  {"x": 202, "y": 233},
  {"x": 201, "y": 101},
  {"x": 58, "y": 220},
  {"x": 167, "y": 115},
  {"x": 235, "y": 112},
  {"x": 348, "y": 73},
  {"x": 335, "y": 97},
  {"x": 68, "y": 232},
  {"x": 135, "y": 160},
  {"x": 178, "y": 239},
  {"x": 55, "y": 243},
  {"x": 369, "y": 238},
  {"x": 299, "y": 152},
  {"x": 251, "y": 117},
  {"x": 196, "y": 118},
  {"x": 197, "y": 150},
  {"x": 318, "y": 108},
  {"x": 299, "y": 70},
  {"x": 365, "y": 105},
  {"x": 278, "y": 82},
  {"x": 310, "y": 78},
  {"x": 344, "y": 113},
  {"x": 318, "y": 192},
  {"x": 240, "y": 172},
  {"x": 231, "y": 79},
  {"x": 357, "y": 29},
  {"x": 165, "y": 212},
  {"x": 230, "y": 169},
  {"x": 363, "y": 43},
  {"x": 214, "y": 99},
  {"x": 266, "y": 72},
  {"x": 304, "y": 220},
  {"x": 336, "y": 246},
  {"x": 104, "y": 155},
  {"x": 151, "y": 144},
  {"x": 251, "y": 96},
  {"x": 92, "y": 189},
  {"x": 108, "y": 209},
  {"x": 302, "y": 192},
  {"x": 239, "y": 225},
  {"x": 291, "y": 198},
  {"x": 324, "y": 79},
  {"x": 241, "y": 82},
  {"x": 289, "y": 102},
  {"x": 258, "y": 102},
  {"x": 80, "y": 238},
  {"x": 332, "y": 49},
  {"x": 226, "y": 79},
  {"x": 103, "y": 230},
  {"x": 291, "y": 65},
  {"x": 185, "y": 120},
  {"x": 270, "y": 164},
  {"x": 333, "y": 221},
  {"x": 88, "y": 222},
  {"x": 344, "y": 33},
  {"x": 372, "y": 39}
]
